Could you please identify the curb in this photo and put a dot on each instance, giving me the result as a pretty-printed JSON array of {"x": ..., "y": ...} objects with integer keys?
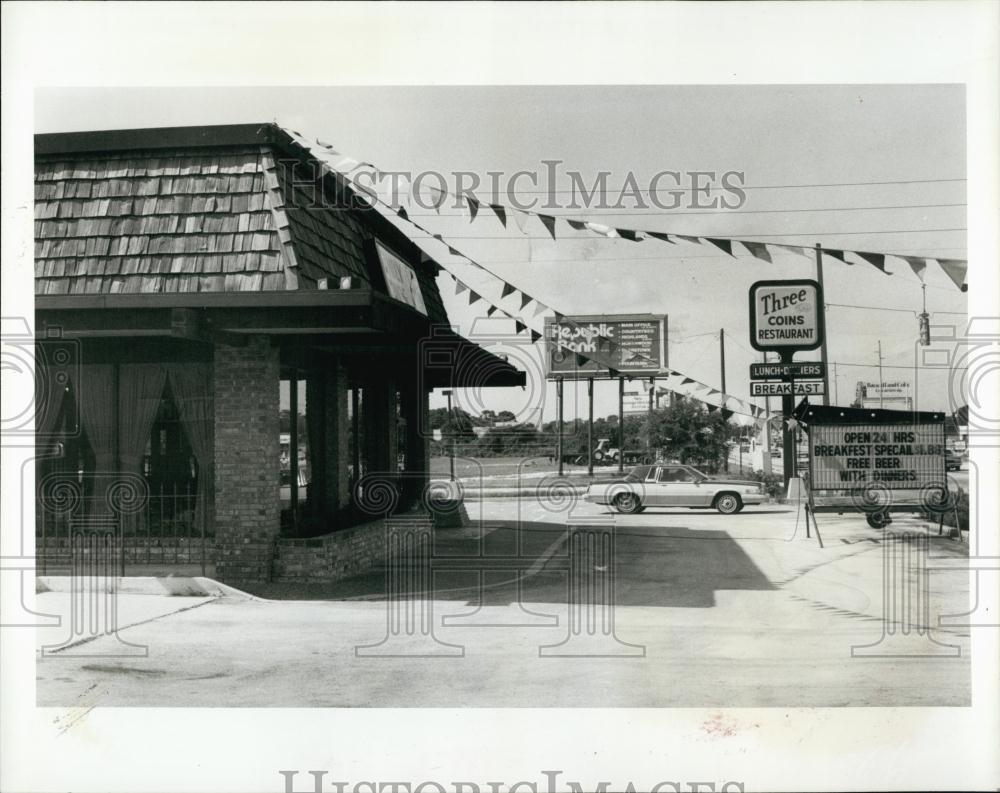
[{"x": 171, "y": 586}]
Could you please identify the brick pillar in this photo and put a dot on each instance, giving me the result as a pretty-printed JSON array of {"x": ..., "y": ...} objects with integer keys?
[
  {"x": 336, "y": 436},
  {"x": 247, "y": 468}
]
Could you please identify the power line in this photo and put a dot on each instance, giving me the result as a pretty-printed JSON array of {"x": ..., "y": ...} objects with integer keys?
[
  {"x": 903, "y": 310},
  {"x": 726, "y": 235},
  {"x": 746, "y": 186},
  {"x": 733, "y": 212}
]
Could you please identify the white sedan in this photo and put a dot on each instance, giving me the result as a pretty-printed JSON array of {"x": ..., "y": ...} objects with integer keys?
[{"x": 674, "y": 486}]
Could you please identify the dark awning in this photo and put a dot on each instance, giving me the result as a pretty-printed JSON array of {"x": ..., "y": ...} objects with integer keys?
[
  {"x": 831, "y": 414},
  {"x": 451, "y": 361}
]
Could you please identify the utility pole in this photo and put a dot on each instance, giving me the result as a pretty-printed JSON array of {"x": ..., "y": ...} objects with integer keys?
[
  {"x": 451, "y": 445},
  {"x": 722, "y": 357},
  {"x": 822, "y": 349},
  {"x": 722, "y": 368},
  {"x": 881, "y": 384}
]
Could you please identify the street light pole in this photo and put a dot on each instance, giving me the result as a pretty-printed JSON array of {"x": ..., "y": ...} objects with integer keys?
[{"x": 451, "y": 445}]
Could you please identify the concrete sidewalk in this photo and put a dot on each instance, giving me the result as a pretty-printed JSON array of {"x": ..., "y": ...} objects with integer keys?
[{"x": 711, "y": 610}]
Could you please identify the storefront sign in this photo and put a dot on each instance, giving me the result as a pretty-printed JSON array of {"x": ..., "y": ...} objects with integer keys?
[
  {"x": 400, "y": 279},
  {"x": 896, "y": 456},
  {"x": 587, "y": 346},
  {"x": 786, "y": 315},
  {"x": 774, "y": 371},
  {"x": 787, "y": 389}
]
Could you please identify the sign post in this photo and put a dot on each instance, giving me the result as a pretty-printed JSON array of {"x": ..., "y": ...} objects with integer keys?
[{"x": 786, "y": 317}]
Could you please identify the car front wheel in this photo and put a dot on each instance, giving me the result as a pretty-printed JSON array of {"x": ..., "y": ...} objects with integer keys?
[
  {"x": 728, "y": 503},
  {"x": 627, "y": 503}
]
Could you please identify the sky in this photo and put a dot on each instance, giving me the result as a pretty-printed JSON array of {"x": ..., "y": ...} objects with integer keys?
[{"x": 810, "y": 156}]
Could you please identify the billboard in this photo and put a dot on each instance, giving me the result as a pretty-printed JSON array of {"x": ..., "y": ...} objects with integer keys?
[
  {"x": 895, "y": 456},
  {"x": 786, "y": 315},
  {"x": 587, "y": 346}
]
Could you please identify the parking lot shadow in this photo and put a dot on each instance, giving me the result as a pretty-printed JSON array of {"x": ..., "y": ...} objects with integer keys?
[{"x": 504, "y": 562}]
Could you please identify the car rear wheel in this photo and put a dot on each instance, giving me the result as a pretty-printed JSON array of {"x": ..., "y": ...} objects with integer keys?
[
  {"x": 878, "y": 520},
  {"x": 728, "y": 503},
  {"x": 628, "y": 503}
]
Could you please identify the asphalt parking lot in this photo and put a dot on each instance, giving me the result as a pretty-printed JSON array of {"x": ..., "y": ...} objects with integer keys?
[{"x": 709, "y": 610}]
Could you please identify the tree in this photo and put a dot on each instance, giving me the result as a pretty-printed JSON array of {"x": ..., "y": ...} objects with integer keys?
[{"x": 689, "y": 433}]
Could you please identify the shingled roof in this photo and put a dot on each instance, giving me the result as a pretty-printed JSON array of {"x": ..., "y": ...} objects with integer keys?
[{"x": 210, "y": 209}]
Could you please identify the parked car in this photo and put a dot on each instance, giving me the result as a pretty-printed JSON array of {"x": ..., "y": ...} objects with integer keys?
[
  {"x": 675, "y": 486},
  {"x": 952, "y": 460}
]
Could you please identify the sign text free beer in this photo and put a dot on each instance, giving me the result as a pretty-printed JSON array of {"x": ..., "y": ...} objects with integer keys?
[
  {"x": 787, "y": 389},
  {"x": 786, "y": 315}
]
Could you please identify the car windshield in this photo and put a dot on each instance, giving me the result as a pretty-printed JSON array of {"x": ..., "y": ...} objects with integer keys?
[{"x": 637, "y": 474}]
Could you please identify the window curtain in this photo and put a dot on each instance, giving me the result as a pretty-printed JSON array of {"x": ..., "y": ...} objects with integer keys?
[
  {"x": 95, "y": 394},
  {"x": 140, "y": 389},
  {"x": 50, "y": 396},
  {"x": 192, "y": 388}
]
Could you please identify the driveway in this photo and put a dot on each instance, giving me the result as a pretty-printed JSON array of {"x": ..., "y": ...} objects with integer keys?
[{"x": 708, "y": 611}]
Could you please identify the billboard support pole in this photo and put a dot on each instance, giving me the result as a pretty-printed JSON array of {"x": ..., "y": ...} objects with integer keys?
[
  {"x": 590, "y": 426},
  {"x": 822, "y": 349},
  {"x": 621, "y": 425},
  {"x": 787, "y": 434},
  {"x": 649, "y": 419},
  {"x": 559, "y": 423}
]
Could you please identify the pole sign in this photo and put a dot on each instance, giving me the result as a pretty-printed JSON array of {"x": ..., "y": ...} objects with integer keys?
[
  {"x": 796, "y": 388},
  {"x": 802, "y": 370},
  {"x": 786, "y": 316},
  {"x": 845, "y": 456},
  {"x": 579, "y": 347}
]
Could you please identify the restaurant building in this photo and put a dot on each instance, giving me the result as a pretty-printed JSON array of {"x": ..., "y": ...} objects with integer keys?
[{"x": 231, "y": 346}]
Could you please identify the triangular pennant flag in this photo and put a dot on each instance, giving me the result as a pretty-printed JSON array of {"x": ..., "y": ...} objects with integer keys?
[
  {"x": 438, "y": 198},
  {"x": 686, "y": 381},
  {"x": 550, "y": 224},
  {"x": 918, "y": 265},
  {"x": 613, "y": 373},
  {"x": 473, "y": 297},
  {"x": 723, "y": 245},
  {"x": 581, "y": 361},
  {"x": 519, "y": 327},
  {"x": 507, "y": 290},
  {"x": 684, "y": 237},
  {"x": 726, "y": 414},
  {"x": 539, "y": 308},
  {"x": 501, "y": 213},
  {"x": 628, "y": 234},
  {"x": 757, "y": 250},
  {"x": 660, "y": 236},
  {"x": 793, "y": 248},
  {"x": 491, "y": 310},
  {"x": 579, "y": 225},
  {"x": 525, "y": 299},
  {"x": 600, "y": 228},
  {"x": 473, "y": 207},
  {"x": 711, "y": 408},
  {"x": 535, "y": 336},
  {"x": 327, "y": 146},
  {"x": 459, "y": 287},
  {"x": 521, "y": 219},
  {"x": 713, "y": 391},
  {"x": 835, "y": 254},
  {"x": 876, "y": 259},
  {"x": 956, "y": 270},
  {"x": 402, "y": 213}
]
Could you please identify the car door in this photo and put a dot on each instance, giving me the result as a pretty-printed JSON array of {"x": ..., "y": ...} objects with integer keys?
[
  {"x": 654, "y": 492},
  {"x": 680, "y": 487}
]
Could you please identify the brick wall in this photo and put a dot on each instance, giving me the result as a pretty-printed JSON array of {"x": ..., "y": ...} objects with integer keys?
[
  {"x": 341, "y": 554},
  {"x": 56, "y": 552},
  {"x": 247, "y": 508}
]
